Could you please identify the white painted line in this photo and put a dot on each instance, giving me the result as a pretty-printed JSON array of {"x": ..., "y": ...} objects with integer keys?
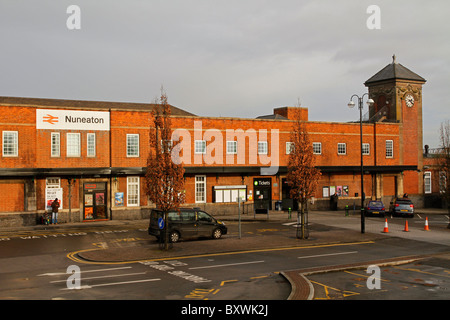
[
  {"x": 226, "y": 265},
  {"x": 112, "y": 284},
  {"x": 328, "y": 254},
  {"x": 289, "y": 223},
  {"x": 101, "y": 277},
  {"x": 65, "y": 273}
]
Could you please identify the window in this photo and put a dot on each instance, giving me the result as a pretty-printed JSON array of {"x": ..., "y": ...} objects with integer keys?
[
  {"x": 317, "y": 147},
  {"x": 132, "y": 145},
  {"x": 200, "y": 146},
  {"x": 91, "y": 144},
  {"x": 10, "y": 143},
  {"x": 389, "y": 149},
  {"x": 427, "y": 181},
  {"x": 166, "y": 145},
  {"x": 132, "y": 191},
  {"x": 73, "y": 144},
  {"x": 366, "y": 149},
  {"x": 442, "y": 182},
  {"x": 231, "y": 147},
  {"x": 289, "y": 147},
  {"x": 342, "y": 148},
  {"x": 200, "y": 189},
  {"x": 56, "y": 144},
  {"x": 262, "y": 147},
  {"x": 53, "y": 182}
]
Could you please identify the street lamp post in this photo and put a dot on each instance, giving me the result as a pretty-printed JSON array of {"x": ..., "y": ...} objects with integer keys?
[{"x": 351, "y": 104}]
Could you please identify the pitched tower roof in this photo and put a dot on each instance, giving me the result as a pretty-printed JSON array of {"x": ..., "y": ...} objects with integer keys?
[{"x": 394, "y": 71}]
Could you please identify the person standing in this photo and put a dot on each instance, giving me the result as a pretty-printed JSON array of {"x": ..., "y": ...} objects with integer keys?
[{"x": 55, "y": 206}]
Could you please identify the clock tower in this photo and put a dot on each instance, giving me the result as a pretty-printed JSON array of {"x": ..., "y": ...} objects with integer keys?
[{"x": 397, "y": 93}]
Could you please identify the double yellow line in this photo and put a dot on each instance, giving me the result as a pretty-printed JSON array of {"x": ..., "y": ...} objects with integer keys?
[{"x": 73, "y": 255}]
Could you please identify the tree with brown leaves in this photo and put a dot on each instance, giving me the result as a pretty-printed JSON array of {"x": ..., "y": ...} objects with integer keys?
[
  {"x": 302, "y": 174},
  {"x": 164, "y": 179}
]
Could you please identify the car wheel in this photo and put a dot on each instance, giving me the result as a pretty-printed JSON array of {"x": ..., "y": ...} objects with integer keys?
[
  {"x": 174, "y": 236},
  {"x": 217, "y": 234}
]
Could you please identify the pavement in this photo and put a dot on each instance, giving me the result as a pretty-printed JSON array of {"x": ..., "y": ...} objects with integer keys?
[{"x": 149, "y": 250}]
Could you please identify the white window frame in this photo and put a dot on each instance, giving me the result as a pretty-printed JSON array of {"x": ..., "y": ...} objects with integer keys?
[
  {"x": 73, "y": 146},
  {"x": 132, "y": 145},
  {"x": 342, "y": 148},
  {"x": 366, "y": 149},
  {"x": 231, "y": 147},
  {"x": 427, "y": 187},
  {"x": 169, "y": 144},
  {"x": 263, "y": 147},
  {"x": 200, "y": 147},
  {"x": 200, "y": 194},
  {"x": 290, "y": 147},
  {"x": 317, "y": 147},
  {"x": 389, "y": 149},
  {"x": 11, "y": 148},
  {"x": 91, "y": 145},
  {"x": 55, "y": 142},
  {"x": 133, "y": 191}
]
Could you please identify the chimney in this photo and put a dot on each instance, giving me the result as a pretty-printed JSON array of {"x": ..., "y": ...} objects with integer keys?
[{"x": 289, "y": 112}]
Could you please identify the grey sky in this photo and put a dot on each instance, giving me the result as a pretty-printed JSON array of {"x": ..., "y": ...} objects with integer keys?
[{"x": 224, "y": 57}]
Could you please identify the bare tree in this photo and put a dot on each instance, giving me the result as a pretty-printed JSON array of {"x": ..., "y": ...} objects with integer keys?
[
  {"x": 163, "y": 179},
  {"x": 444, "y": 163},
  {"x": 302, "y": 175}
]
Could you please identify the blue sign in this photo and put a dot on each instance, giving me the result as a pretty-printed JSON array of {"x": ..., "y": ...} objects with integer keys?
[{"x": 161, "y": 223}]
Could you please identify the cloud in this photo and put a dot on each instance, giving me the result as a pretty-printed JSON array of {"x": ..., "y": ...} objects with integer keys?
[{"x": 224, "y": 58}]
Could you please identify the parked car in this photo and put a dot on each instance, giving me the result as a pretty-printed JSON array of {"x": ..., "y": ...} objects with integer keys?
[
  {"x": 375, "y": 208},
  {"x": 186, "y": 223},
  {"x": 402, "y": 207}
]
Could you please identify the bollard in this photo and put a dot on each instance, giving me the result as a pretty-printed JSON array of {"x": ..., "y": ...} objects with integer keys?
[
  {"x": 289, "y": 212},
  {"x": 346, "y": 210}
]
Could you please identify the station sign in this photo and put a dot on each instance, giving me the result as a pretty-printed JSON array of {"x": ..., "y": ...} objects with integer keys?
[{"x": 54, "y": 119}]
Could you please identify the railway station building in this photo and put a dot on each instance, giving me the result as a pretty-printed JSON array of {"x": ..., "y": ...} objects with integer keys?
[{"x": 92, "y": 155}]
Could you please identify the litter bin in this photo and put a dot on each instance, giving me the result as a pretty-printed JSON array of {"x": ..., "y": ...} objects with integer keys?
[{"x": 278, "y": 205}]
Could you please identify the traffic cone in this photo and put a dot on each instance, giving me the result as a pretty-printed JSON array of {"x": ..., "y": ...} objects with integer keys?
[
  {"x": 406, "y": 226},
  {"x": 386, "y": 229},
  {"x": 426, "y": 225}
]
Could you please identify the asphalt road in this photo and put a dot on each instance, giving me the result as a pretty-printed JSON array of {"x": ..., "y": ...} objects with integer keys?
[{"x": 34, "y": 264}]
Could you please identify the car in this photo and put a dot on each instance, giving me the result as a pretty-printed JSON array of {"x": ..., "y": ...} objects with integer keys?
[
  {"x": 402, "y": 207},
  {"x": 186, "y": 223},
  {"x": 375, "y": 208}
]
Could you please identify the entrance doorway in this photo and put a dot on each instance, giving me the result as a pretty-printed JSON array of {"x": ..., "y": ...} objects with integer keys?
[
  {"x": 95, "y": 204},
  {"x": 286, "y": 198},
  {"x": 262, "y": 190}
]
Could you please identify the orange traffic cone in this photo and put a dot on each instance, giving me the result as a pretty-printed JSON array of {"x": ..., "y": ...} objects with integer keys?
[
  {"x": 426, "y": 228},
  {"x": 386, "y": 229},
  {"x": 406, "y": 226}
]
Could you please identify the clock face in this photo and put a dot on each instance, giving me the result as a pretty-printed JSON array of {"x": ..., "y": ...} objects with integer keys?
[{"x": 409, "y": 99}]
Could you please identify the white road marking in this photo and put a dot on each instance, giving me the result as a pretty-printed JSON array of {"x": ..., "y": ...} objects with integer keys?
[
  {"x": 100, "y": 277},
  {"x": 111, "y": 284},
  {"x": 82, "y": 271},
  {"x": 226, "y": 265}
]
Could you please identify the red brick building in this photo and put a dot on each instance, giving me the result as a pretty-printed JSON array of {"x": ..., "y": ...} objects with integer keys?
[{"x": 92, "y": 155}]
